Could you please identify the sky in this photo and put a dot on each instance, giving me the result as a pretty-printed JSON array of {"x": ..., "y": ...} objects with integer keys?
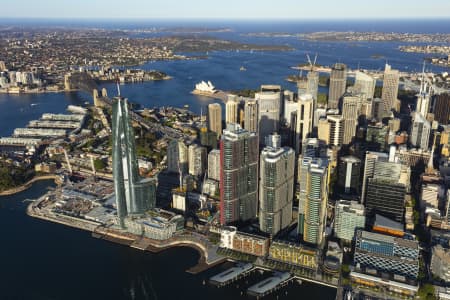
[{"x": 225, "y": 9}]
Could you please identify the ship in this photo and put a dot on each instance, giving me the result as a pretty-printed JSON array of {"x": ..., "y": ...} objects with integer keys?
[{"x": 242, "y": 68}]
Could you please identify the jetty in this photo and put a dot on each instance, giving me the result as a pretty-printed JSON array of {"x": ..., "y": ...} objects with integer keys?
[
  {"x": 269, "y": 285},
  {"x": 231, "y": 275}
]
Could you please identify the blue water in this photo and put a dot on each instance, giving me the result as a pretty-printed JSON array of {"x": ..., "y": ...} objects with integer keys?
[
  {"x": 46, "y": 261},
  {"x": 222, "y": 67},
  {"x": 41, "y": 260}
]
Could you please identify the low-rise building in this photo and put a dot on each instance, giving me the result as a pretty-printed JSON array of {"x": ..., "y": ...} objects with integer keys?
[
  {"x": 380, "y": 255},
  {"x": 295, "y": 254},
  {"x": 440, "y": 262}
]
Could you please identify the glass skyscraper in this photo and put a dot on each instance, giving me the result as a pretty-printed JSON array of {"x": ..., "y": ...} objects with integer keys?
[{"x": 134, "y": 195}]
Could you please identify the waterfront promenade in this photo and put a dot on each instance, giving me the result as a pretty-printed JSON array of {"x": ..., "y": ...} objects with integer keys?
[
  {"x": 207, "y": 250},
  {"x": 28, "y": 184}
]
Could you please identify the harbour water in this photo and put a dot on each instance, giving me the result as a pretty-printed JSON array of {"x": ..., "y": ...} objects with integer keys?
[{"x": 41, "y": 260}]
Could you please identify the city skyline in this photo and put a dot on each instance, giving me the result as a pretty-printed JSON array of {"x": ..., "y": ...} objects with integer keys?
[{"x": 202, "y": 9}]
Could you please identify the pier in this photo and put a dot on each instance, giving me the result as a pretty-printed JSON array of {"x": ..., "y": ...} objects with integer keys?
[
  {"x": 269, "y": 285},
  {"x": 231, "y": 275}
]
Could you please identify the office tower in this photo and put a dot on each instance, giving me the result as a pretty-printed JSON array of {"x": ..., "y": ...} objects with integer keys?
[
  {"x": 133, "y": 194},
  {"x": 231, "y": 109},
  {"x": 423, "y": 103},
  {"x": 387, "y": 254},
  {"x": 269, "y": 104},
  {"x": 104, "y": 93},
  {"x": 302, "y": 85},
  {"x": 241, "y": 114},
  {"x": 336, "y": 130},
  {"x": 420, "y": 132},
  {"x": 369, "y": 167},
  {"x": 338, "y": 81},
  {"x": 238, "y": 175},
  {"x": 177, "y": 157},
  {"x": 386, "y": 192},
  {"x": 429, "y": 196},
  {"x": 312, "y": 86},
  {"x": 442, "y": 109},
  {"x": 312, "y": 147},
  {"x": 366, "y": 109},
  {"x": 197, "y": 160},
  {"x": 349, "y": 174},
  {"x": 290, "y": 106},
  {"x": 214, "y": 165},
  {"x": 377, "y": 109},
  {"x": 376, "y": 137},
  {"x": 215, "y": 118},
  {"x": 390, "y": 89},
  {"x": 2, "y": 66},
  {"x": 349, "y": 216},
  {"x": 350, "y": 108},
  {"x": 304, "y": 123},
  {"x": 276, "y": 186},
  {"x": 315, "y": 205},
  {"x": 323, "y": 130},
  {"x": 365, "y": 85},
  {"x": 251, "y": 116}
]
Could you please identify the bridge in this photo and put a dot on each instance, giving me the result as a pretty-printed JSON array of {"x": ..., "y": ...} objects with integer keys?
[{"x": 84, "y": 82}]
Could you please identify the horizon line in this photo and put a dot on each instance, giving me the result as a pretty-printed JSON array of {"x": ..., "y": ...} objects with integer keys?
[{"x": 51, "y": 18}]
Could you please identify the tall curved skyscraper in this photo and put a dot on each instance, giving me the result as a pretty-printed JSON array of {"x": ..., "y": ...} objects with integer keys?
[{"x": 134, "y": 195}]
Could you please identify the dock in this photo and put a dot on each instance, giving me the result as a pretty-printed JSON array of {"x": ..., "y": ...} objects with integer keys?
[
  {"x": 231, "y": 275},
  {"x": 269, "y": 285}
]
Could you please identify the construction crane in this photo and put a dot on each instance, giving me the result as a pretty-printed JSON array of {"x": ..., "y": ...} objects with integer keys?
[
  {"x": 68, "y": 162},
  {"x": 312, "y": 64}
]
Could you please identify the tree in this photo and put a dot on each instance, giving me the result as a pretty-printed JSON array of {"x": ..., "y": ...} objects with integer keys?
[
  {"x": 99, "y": 164},
  {"x": 426, "y": 292},
  {"x": 322, "y": 99}
]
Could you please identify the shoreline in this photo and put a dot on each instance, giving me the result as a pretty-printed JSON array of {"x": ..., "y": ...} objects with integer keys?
[
  {"x": 28, "y": 184},
  {"x": 127, "y": 239}
]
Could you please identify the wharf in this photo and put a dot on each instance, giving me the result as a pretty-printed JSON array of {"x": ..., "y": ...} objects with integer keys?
[
  {"x": 231, "y": 275},
  {"x": 269, "y": 285}
]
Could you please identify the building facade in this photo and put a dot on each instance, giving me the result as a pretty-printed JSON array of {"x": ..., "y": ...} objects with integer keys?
[
  {"x": 349, "y": 216},
  {"x": 215, "y": 118},
  {"x": 338, "y": 81},
  {"x": 384, "y": 253},
  {"x": 269, "y": 107},
  {"x": 134, "y": 195},
  {"x": 276, "y": 186},
  {"x": 305, "y": 115},
  {"x": 390, "y": 89},
  {"x": 238, "y": 175}
]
